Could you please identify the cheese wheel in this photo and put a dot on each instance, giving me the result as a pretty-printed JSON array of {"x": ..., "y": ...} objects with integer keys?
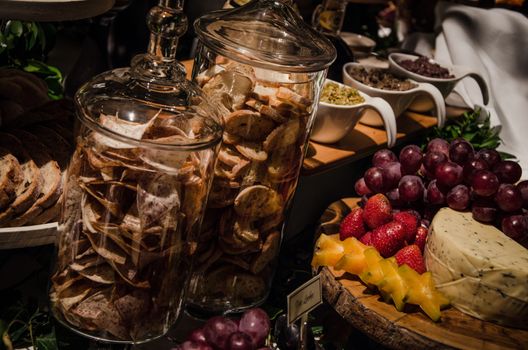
[{"x": 482, "y": 271}]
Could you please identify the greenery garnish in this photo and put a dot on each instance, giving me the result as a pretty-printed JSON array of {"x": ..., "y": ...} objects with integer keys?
[
  {"x": 22, "y": 327},
  {"x": 475, "y": 127},
  {"x": 25, "y": 46}
]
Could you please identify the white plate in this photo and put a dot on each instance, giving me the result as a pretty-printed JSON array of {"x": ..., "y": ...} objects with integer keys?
[
  {"x": 53, "y": 10},
  {"x": 28, "y": 236}
]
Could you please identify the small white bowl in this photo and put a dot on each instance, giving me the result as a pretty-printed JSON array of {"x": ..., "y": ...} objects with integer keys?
[
  {"x": 333, "y": 122},
  {"x": 360, "y": 45},
  {"x": 398, "y": 100},
  {"x": 444, "y": 85}
]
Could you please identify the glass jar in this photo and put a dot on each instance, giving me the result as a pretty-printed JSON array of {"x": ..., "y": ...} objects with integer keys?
[
  {"x": 135, "y": 194},
  {"x": 265, "y": 67}
]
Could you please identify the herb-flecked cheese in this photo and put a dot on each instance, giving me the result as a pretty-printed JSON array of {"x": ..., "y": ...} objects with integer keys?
[{"x": 482, "y": 271}]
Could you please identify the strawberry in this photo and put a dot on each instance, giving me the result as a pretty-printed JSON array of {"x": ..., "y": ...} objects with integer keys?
[
  {"x": 412, "y": 256},
  {"x": 388, "y": 238},
  {"x": 377, "y": 211},
  {"x": 352, "y": 225},
  {"x": 409, "y": 222},
  {"x": 421, "y": 236},
  {"x": 366, "y": 239}
]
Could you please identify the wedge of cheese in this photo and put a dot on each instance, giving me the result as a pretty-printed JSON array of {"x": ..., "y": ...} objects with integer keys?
[{"x": 482, "y": 271}]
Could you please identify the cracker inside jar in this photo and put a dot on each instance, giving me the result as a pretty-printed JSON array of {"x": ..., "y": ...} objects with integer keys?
[
  {"x": 257, "y": 168},
  {"x": 125, "y": 243}
]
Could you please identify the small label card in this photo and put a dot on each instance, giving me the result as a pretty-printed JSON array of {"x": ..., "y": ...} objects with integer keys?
[{"x": 305, "y": 298}]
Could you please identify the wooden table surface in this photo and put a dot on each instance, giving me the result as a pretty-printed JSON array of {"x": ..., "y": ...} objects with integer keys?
[{"x": 364, "y": 140}]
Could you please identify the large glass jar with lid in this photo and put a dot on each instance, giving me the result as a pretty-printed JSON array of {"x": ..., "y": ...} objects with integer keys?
[
  {"x": 265, "y": 68},
  {"x": 135, "y": 193}
]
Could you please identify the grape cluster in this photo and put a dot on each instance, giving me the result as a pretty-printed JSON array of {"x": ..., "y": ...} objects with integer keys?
[
  {"x": 222, "y": 333},
  {"x": 454, "y": 175}
]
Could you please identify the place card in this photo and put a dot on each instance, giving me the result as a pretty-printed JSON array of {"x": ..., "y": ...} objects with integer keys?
[{"x": 305, "y": 298}]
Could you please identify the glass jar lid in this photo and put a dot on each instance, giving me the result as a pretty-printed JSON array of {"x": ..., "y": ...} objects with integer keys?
[
  {"x": 151, "y": 104},
  {"x": 267, "y": 34}
]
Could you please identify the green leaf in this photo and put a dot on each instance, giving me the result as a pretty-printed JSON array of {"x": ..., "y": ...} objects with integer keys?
[
  {"x": 33, "y": 36},
  {"x": 490, "y": 144},
  {"x": 317, "y": 330},
  {"x": 505, "y": 155},
  {"x": 47, "y": 341},
  {"x": 15, "y": 27},
  {"x": 42, "y": 37},
  {"x": 469, "y": 136}
]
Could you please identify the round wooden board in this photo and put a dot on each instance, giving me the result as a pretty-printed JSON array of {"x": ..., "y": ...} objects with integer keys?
[{"x": 410, "y": 330}]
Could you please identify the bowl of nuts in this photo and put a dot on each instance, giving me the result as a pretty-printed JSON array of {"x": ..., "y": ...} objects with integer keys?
[
  {"x": 341, "y": 107},
  {"x": 399, "y": 92},
  {"x": 426, "y": 70}
]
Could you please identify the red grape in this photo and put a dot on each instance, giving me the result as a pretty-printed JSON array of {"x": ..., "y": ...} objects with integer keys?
[
  {"x": 361, "y": 187},
  {"x": 433, "y": 195},
  {"x": 411, "y": 159},
  {"x": 484, "y": 214},
  {"x": 286, "y": 335},
  {"x": 448, "y": 174},
  {"x": 514, "y": 227},
  {"x": 471, "y": 167},
  {"x": 461, "y": 152},
  {"x": 523, "y": 188},
  {"x": 508, "y": 198},
  {"x": 391, "y": 174},
  {"x": 508, "y": 171},
  {"x": 192, "y": 345},
  {"x": 432, "y": 159},
  {"x": 458, "y": 197},
  {"x": 217, "y": 331},
  {"x": 255, "y": 323},
  {"x": 485, "y": 183},
  {"x": 438, "y": 145},
  {"x": 394, "y": 198},
  {"x": 483, "y": 201},
  {"x": 411, "y": 188},
  {"x": 197, "y": 335},
  {"x": 382, "y": 157},
  {"x": 374, "y": 179},
  {"x": 239, "y": 341},
  {"x": 490, "y": 156}
]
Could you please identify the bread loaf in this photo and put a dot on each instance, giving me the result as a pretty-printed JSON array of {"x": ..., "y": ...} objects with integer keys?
[
  {"x": 10, "y": 177},
  {"x": 52, "y": 182},
  {"x": 28, "y": 190}
]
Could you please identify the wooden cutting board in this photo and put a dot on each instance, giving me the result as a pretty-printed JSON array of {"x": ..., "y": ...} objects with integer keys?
[{"x": 405, "y": 330}]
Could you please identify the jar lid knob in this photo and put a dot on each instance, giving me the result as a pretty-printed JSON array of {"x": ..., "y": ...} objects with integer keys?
[{"x": 167, "y": 23}]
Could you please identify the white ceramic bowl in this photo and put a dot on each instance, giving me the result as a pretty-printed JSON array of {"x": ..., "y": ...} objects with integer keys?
[
  {"x": 360, "y": 45},
  {"x": 398, "y": 100},
  {"x": 333, "y": 122},
  {"x": 445, "y": 86}
]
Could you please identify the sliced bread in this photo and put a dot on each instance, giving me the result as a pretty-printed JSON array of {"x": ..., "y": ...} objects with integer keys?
[
  {"x": 48, "y": 215},
  {"x": 10, "y": 177},
  {"x": 28, "y": 190},
  {"x": 52, "y": 177}
]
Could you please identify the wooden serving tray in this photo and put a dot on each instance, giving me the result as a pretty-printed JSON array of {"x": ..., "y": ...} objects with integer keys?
[
  {"x": 405, "y": 330},
  {"x": 28, "y": 236}
]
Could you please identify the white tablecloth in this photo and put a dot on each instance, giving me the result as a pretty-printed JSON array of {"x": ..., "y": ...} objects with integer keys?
[{"x": 495, "y": 43}]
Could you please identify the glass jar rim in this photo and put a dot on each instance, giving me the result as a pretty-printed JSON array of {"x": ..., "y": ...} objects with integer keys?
[
  {"x": 259, "y": 18},
  {"x": 93, "y": 125}
]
